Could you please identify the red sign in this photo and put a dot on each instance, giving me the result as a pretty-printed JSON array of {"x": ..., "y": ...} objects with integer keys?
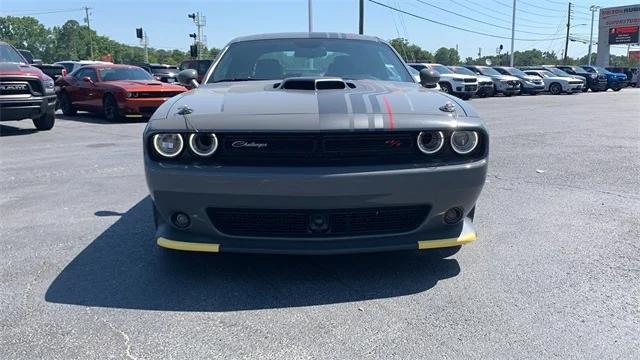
[{"x": 634, "y": 55}]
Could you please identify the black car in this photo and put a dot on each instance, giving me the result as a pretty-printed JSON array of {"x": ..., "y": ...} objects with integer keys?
[
  {"x": 162, "y": 72},
  {"x": 200, "y": 66},
  {"x": 595, "y": 82}
]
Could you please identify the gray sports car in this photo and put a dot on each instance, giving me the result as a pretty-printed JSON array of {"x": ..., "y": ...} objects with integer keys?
[{"x": 314, "y": 143}]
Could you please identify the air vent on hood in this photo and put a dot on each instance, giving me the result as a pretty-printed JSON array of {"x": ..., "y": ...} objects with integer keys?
[{"x": 301, "y": 83}]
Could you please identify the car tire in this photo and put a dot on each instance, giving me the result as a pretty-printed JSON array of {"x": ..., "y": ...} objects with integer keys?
[
  {"x": 555, "y": 89},
  {"x": 110, "y": 109},
  {"x": 508, "y": 94},
  {"x": 66, "y": 105},
  {"x": 585, "y": 89},
  {"x": 45, "y": 122},
  {"x": 465, "y": 97},
  {"x": 616, "y": 89},
  {"x": 446, "y": 88}
]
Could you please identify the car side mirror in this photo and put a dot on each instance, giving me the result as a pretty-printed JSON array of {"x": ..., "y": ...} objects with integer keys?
[
  {"x": 429, "y": 78},
  {"x": 87, "y": 79},
  {"x": 188, "y": 77}
]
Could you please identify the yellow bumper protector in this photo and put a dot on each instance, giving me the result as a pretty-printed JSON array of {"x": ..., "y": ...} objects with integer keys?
[
  {"x": 187, "y": 246},
  {"x": 440, "y": 243}
]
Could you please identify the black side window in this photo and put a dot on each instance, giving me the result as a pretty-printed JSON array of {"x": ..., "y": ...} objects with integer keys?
[
  {"x": 91, "y": 73},
  {"x": 80, "y": 74}
]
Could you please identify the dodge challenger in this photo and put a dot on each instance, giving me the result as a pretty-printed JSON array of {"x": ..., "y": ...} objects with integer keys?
[
  {"x": 117, "y": 91},
  {"x": 314, "y": 143}
]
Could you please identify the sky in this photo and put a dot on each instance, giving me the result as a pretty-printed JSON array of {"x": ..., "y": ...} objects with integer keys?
[{"x": 168, "y": 26}]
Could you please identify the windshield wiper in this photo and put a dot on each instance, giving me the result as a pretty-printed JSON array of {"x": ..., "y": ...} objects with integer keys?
[{"x": 239, "y": 79}]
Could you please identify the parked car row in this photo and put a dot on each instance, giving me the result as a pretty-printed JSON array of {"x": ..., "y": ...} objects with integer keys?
[{"x": 466, "y": 81}]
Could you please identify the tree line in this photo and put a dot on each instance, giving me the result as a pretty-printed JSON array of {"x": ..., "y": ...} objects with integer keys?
[
  {"x": 71, "y": 41},
  {"x": 450, "y": 56}
]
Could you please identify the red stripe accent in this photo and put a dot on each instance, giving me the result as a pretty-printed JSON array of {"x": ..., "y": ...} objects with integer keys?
[{"x": 392, "y": 124}]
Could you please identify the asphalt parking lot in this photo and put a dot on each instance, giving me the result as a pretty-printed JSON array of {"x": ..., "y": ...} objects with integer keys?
[{"x": 555, "y": 272}]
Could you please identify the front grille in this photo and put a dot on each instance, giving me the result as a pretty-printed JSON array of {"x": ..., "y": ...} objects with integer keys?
[
  {"x": 326, "y": 149},
  {"x": 470, "y": 80},
  {"x": 20, "y": 86},
  {"x": 157, "y": 94},
  {"x": 513, "y": 82},
  {"x": 299, "y": 223},
  {"x": 486, "y": 83}
]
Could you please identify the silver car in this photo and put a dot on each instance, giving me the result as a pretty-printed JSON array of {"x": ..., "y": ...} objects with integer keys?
[
  {"x": 503, "y": 84},
  {"x": 557, "y": 85},
  {"x": 308, "y": 143}
]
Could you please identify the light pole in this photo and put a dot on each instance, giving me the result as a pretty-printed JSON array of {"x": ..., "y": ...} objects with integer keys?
[
  {"x": 593, "y": 9},
  {"x": 310, "y": 17},
  {"x": 513, "y": 31}
]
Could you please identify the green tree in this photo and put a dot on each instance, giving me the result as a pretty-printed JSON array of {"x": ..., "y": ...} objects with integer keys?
[
  {"x": 447, "y": 56},
  {"x": 410, "y": 52},
  {"x": 26, "y": 33}
]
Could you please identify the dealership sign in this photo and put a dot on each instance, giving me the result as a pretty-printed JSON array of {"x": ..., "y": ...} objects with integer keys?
[{"x": 623, "y": 35}]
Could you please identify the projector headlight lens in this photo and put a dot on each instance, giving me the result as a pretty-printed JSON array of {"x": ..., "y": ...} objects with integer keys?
[
  {"x": 464, "y": 142},
  {"x": 168, "y": 145}
]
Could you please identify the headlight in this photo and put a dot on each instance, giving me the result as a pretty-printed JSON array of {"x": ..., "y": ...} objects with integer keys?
[
  {"x": 457, "y": 79},
  {"x": 203, "y": 144},
  {"x": 504, "y": 81},
  {"x": 464, "y": 142},
  {"x": 593, "y": 76},
  {"x": 48, "y": 84},
  {"x": 430, "y": 142},
  {"x": 168, "y": 145}
]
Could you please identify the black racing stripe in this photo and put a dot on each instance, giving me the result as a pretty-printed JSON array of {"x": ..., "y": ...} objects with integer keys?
[{"x": 331, "y": 102}]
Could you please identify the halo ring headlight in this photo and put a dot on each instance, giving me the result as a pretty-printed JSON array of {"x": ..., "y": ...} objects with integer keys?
[
  {"x": 464, "y": 142},
  {"x": 203, "y": 144},
  {"x": 434, "y": 143},
  {"x": 168, "y": 145}
]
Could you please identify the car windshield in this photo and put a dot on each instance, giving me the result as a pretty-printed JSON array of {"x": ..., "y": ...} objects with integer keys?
[
  {"x": 441, "y": 69},
  {"x": 558, "y": 72},
  {"x": 9, "y": 54},
  {"x": 163, "y": 69},
  {"x": 462, "y": 70},
  {"x": 123, "y": 73},
  {"x": 516, "y": 72},
  {"x": 276, "y": 59},
  {"x": 488, "y": 71},
  {"x": 545, "y": 73}
]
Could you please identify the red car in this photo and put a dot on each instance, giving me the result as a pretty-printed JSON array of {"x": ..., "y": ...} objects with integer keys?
[{"x": 117, "y": 91}]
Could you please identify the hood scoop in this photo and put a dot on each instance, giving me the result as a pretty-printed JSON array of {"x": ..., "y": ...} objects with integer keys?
[{"x": 313, "y": 84}]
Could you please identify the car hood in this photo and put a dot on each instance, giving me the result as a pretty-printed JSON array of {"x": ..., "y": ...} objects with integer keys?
[
  {"x": 17, "y": 69},
  {"x": 457, "y": 76},
  {"x": 258, "y": 106},
  {"x": 504, "y": 77},
  {"x": 144, "y": 85},
  {"x": 557, "y": 78},
  {"x": 531, "y": 78}
]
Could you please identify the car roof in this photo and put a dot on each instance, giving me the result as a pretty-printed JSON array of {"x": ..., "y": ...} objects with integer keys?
[
  {"x": 305, "y": 35},
  {"x": 108, "y": 65}
]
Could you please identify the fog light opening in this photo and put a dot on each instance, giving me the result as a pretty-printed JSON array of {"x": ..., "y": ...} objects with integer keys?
[
  {"x": 453, "y": 216},
  {"x": 181, "y": 220}
]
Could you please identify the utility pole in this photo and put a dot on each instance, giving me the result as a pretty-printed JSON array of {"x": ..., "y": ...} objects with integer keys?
[
  {"x": 479, "y": 52},
  {"x": 566, "y": 41},
  {"x": 145, "y": 43},
  {"x": 593, "y": 9},
  {"x": 513, "y": 31},
  {"x": 361, "y": 22},
  {"x": 88, "y": 21},
  {"x": 201, "y": 22},
  {"x": 310, "y": 16}
]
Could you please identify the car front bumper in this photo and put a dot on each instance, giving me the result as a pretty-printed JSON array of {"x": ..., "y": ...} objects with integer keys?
[
  {"x": 532, "y": 89},
  {"x": 131, "y": 107},
  {"x": 617, "y": 84},
  {"x": 19, "y": 108},
  {"x": 193, "y": 190}
]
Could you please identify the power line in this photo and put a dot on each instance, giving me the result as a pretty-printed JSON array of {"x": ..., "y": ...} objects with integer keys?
[
  {"x": 509, "y": 16},
  {"x": 450, "y": 26},
  {"x": 43, "y": 12},
  {"x": 492, "y": 16},
  {"x": 480, "y": 21}
]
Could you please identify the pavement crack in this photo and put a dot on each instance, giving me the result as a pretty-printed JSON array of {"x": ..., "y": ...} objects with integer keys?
[{"x": 127, "y": 340}]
